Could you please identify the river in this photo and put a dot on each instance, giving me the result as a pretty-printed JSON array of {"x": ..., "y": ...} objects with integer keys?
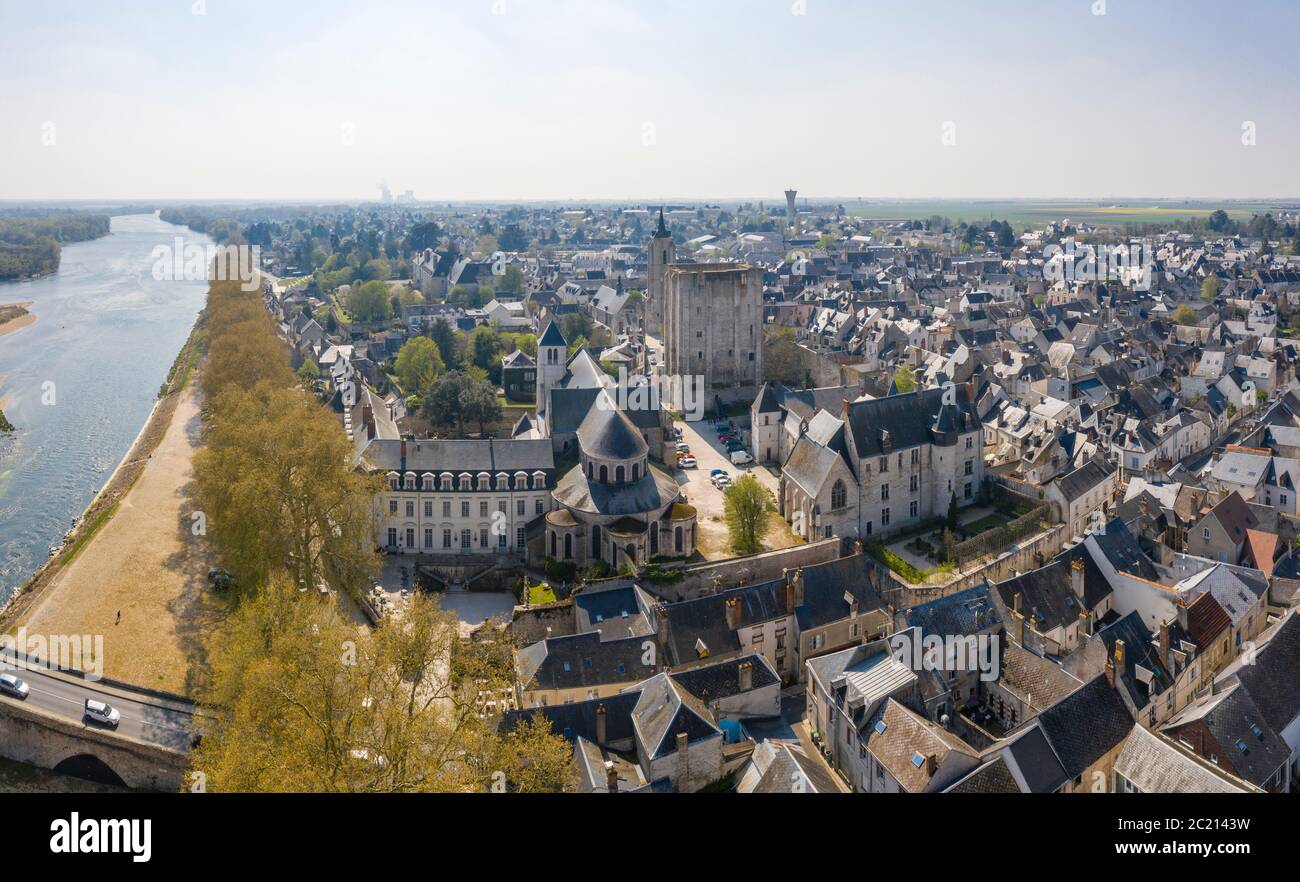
[{"x": 80, "y": 381}]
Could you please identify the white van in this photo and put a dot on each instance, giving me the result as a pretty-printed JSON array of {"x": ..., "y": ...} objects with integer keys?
[{"x": 741, "y": 458}]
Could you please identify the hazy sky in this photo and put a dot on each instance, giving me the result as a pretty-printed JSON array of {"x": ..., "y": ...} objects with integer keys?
[{"x": 556, "y": 99}]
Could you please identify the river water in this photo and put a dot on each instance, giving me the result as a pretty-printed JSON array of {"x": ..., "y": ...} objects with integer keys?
[{"x": 79, "y": 382}]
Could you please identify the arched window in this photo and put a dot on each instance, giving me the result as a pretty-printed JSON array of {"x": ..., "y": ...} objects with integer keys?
[
  {"x": 426, "y": 481},
  {"x": 568, "y": 546},
  {"x": 539, "y": 480},
  {"x": 837, "y": 495},
  {"x": 484, "y": 481},
  {"x": 677, "y": 540},
  {"x": 636, "y": 471},
  {"x": 503, "y": 481},
  {"x": 466, "y": 481},
  {"x": 521, "y": 480},
  {"x": 618, "y": 475},
  {"x": 552, "y": 543},
  {"x": 446, "y": 480},
  {"x": 604, "y": 474},
  {"x": 410, "y": 481},
  {"x": 392, "y": 480}
]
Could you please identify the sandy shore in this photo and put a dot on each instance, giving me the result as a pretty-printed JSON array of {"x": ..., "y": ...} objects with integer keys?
[{"x": 21, "y": 321}]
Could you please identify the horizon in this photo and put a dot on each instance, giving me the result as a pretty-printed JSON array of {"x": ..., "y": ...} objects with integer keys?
[{"x": 580, "y": 100}]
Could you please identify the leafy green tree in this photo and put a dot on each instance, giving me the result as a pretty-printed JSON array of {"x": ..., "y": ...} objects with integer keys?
[
  {"x": 1210, "y": 289},
  {"x": 370, "y": 302},
  {"x": 1184, "y": 315},
  {"x": 783, "y": 360},
  {"x": 904, "y": 379},
  {"x": 418, "y": 364},
  {"x": 299, "y": 700},
  {"x": 444, "y": 337},
  {"x": 309, "y": 372},
  {"x": 952, "y": 512},
  {"x": 746, "y": 505}
]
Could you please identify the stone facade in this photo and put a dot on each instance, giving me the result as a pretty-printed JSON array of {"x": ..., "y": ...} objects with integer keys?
[{"x": 713, "y": 327}]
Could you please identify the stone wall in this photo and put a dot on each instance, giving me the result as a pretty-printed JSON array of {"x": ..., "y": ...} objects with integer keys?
[
  {"x": 30, "y": 735},
  {"x": 706, "y": 578}
]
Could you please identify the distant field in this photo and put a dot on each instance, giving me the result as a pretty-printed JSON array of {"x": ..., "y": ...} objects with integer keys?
[{"x": 1021, "y": 214}]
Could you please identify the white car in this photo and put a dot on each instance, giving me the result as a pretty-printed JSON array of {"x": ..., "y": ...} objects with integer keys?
[
  {"x": 102, "y": 713},
  {"x": 11, "y": 685},
  {"x": 686, "y": 462},
  {"x": 722, "y": 482}
]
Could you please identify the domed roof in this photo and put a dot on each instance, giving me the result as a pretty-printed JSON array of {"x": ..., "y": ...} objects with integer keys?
[{"x": 607, "y": 433}]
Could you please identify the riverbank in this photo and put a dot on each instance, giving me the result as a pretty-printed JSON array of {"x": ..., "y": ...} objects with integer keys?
[
  {"x": 29, "y": 595},
  {"x": 14, "y": 316}
]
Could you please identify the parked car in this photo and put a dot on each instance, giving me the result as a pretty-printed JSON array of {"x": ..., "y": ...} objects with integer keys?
[
  {"x": 686, "y": 462},
  {"x": 219, "y": 578},
  {"x": 713, "y": 473},
  {"x": 722, "y": 482},
  {"x": 683, "y": 447},
  {"x": 733, "y": 446},
  {"x": 102, "y": 712},
  {"x": 741, "y": 458},
  {"x": 11, "y": 685}
]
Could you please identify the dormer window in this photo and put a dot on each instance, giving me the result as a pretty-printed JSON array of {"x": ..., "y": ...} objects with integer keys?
[
  {"x": 484, "y": 481},
  {"x": 466, "y": 481},
  {"x": 503, "y": 481},
  {"x": 539, "y": 480},
  {"x": 393, "y": 479},
  {"x": 446, "y": 481},
  {"x": 426, "y": 481},
  {"x": 521, "y": 480},
  {"x": 409, "y": 483}
]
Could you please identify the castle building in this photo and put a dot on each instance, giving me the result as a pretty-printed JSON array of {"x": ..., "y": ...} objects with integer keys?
[
  {"x": 713, "y": 327},
  {"x": 661, "y": 253},
  {"x": 710, "y": 317},
  {"x": 884, "y": 463}
]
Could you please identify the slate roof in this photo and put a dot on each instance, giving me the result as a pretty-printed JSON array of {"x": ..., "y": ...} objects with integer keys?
[
  {"x": 576, "y": 661},
  {"x": 1244, "y": 739},
  {"x": 552, "y": 336},
  {"x": 456, "y": 456},
  {"x": 1120, "y": 548},
  {"x": 578, "y": 719},
  {"x": 665, "y": 710},
  {"x": 1037, "y": 762},
  {"x": 1047, "y": 594},
  {"x": 966, "y": 612},
  {"x": 607, "y": 433},
  {"x": 790, "y": 764},
  {"x": 1156, "y": 764},
  {"x": 1139, "y": 649},
  {"x": 1085, "y": 725},
  {"x": 900, "y": 737},
  {"x": 907, "y": 418},
  {"x": 1036, "y": 680},
  {"x": 1273, "y": 681},
  {"x": 1083, "y": 480},
  {"x": 994, "y": 777}
]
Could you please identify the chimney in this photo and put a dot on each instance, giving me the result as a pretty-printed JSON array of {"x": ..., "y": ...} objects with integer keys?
[
  {"x": 844, "y": 406},
  {"x": 683, "y": 760},
  {"x": 1019, "y": 619},
  {"x": 370, "y": 429},
  {"x": 1076, "y": 578},
  {"x": 796, "y": 583},
  {"x": 931, "y": 764},
  {"x": 1164, "y": 644},
  {"x": 661, "y": 622},
  {"x": 601, "y": 714},
  {"x": 403, "y": 454},
  {"x": 367, "y": 413},
  {"x": 733, "y": 613},
  {"x": 1115, "y": 665},
  {"x": 611, "y": 776},
  {"x": 746, "y": 671},
  {"x": 1085, "y": 619},
  {"x": 1182, "y": 614}
]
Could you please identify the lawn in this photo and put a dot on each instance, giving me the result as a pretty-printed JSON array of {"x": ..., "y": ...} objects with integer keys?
[
  {"x": 541, "y": 594},
  {"x": 988, "y": 522}
]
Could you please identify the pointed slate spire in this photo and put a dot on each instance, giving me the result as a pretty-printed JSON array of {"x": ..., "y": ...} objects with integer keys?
[{"x": 662, "y": 231}]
